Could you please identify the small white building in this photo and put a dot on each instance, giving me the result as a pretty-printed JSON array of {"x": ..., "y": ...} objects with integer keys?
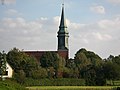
[{"x": 9, "y": 71}]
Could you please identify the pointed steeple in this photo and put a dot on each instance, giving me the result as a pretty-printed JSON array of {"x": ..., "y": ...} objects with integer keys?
[
  {"x": 63, "y": 26},
  {"x": 63, "y": 33},
  {"x": 63, "y": 21}
]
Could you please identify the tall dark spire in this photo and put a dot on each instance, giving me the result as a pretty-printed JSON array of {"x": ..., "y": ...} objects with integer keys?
[
  {"x": 63, "y": 25},
  {"x": 63, "y": 33}
]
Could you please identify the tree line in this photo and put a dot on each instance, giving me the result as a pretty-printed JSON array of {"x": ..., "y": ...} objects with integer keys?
[{"x": 86, "y": 65}]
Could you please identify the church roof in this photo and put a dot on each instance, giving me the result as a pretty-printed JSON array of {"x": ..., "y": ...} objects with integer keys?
[
  {"x": 38, "y": 54},
  {"x": 64, "y": 53}
]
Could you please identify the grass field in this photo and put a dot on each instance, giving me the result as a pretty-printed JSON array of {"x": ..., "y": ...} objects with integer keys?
[{"x": 72, "y": 88}]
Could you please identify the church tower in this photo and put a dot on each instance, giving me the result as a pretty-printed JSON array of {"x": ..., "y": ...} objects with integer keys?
[{"x": 63, "y": 33}]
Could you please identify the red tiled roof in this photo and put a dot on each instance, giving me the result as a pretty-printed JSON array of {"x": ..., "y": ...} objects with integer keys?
[{"x": 38, "y": 54}]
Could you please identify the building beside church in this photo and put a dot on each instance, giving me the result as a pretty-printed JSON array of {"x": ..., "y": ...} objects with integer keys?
[
  {"x": 9, "y": 71},
  {"x": 63, "y": 47}
]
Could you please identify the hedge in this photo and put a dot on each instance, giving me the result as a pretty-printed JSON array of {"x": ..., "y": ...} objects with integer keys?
[{"x": 55, "y": 82}]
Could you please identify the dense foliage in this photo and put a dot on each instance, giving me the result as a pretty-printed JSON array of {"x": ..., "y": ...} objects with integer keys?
[
  {"x": 2, "y": 64},
  {"x": 55, "y": 82},
  {"x": 53, "y": 63},
  {"x": 87, "y": 68},
  {"x": 24, "y": 66}
]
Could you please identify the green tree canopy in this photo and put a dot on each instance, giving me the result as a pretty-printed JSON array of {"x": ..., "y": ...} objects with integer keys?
[
  {"x": 21, "y": 61},
  {"x": 85, "y": 57},
  {"x": 2, "y": 64},
  {"x": 111, "y": 70},
  {"x": 88, "y": 64},
  {"x": 53, "y": 63},
  {"x": 52, "y": 59},
  {"x": 116, "y": 60}
]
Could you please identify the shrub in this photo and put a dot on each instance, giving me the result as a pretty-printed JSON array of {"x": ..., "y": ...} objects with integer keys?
[
  {"x": 20, "y": 76},
  {"x": 55, "y": 82},
  {"x": 40, "y": 73}
]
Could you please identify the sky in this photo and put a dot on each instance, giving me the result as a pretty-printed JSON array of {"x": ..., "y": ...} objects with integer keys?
[{"x": 33, "y": 25}]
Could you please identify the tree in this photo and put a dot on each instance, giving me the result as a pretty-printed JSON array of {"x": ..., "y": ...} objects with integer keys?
[
  {"x": 20, "y": 76},
  {"x": 66, "y": 72},
  {"x": 110, "y": 58},
  {"x": 111, "y": 71},
  {"x": 53, "y": 62},
  {"x": 51, "y": 72},
  {"x": 49, "y": 59},
  {"x": 29, "y": 65},
  {"x": 81, "y": 60},
  {"x": 93, "y": 75},
  {"x": 71, "y": 63},
  {"x": 111, "y": 68},
  {"x": 89, "y": 66},
  {"x": 21, "y": 61},
  {"x": 39, "y": 73},
  {"x": 116, "y": 60},
  {"x": 2, "y": 64},
  {"x": 94, "y": 58},
  {"x": 89, "y": 74},
  {"x": 100, "y": 79},
  {"x": 73, "y": 68},
  {"x": 61, "y": 65},
  {"x": 14, "y": 58},
  {"x": 84, "y": 58}
]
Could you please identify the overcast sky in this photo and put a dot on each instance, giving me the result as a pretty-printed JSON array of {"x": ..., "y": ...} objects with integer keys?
[{"x": 33, "y": 25}]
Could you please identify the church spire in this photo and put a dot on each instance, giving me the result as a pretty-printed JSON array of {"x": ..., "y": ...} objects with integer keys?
[
  {"x": 63, "y": 33},
  {"x": 63, "y": 25}
]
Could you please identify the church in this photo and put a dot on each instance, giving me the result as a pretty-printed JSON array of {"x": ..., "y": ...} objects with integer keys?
[{"x": 62, "y": 35}]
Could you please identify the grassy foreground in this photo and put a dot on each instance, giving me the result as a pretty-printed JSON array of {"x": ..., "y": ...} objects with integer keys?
[
  {"x": 72, "y": 88},
  {"x": 10, "y": 85}
]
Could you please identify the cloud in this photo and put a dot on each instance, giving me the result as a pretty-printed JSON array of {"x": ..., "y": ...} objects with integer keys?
[
  {"x": 110, "y": 24},
  {"x": 37, "y": 34},
  {"x": 98, "y": 9},
  {"x": 8, "y": 1},
  {"x": 12, "y": 12},
  {"x": 114, "y": 1},
  {"x": 41, "y": 34},
  {"x": 100, "y": 36}
]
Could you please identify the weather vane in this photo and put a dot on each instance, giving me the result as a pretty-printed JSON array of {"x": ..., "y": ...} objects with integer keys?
[{"x": 63, "y": 2}]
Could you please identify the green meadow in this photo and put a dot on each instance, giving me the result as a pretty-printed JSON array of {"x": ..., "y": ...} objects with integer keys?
[{"x": 73, "y": 88}]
